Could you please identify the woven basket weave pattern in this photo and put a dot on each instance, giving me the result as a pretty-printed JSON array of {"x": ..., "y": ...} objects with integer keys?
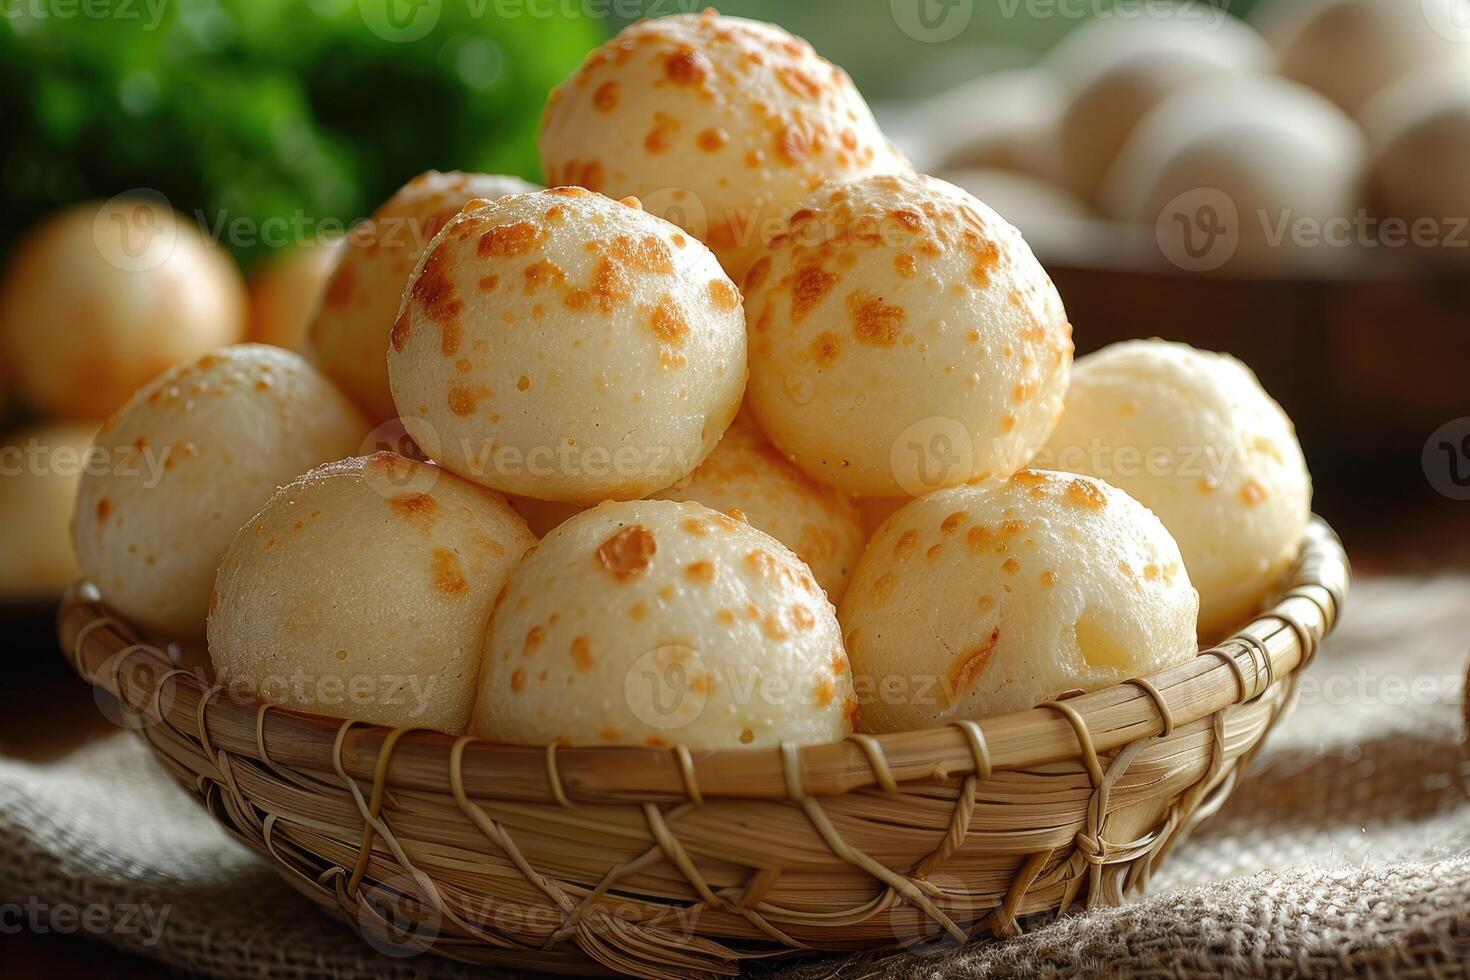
[{"x": 669, "y": 863}]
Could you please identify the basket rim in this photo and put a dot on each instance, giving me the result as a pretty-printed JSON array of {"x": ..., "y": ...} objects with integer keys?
[{"x": 109, "y": 653}]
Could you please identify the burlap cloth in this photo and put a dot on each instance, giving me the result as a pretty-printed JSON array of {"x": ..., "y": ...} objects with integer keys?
[{"x": 1346, "y": 851}]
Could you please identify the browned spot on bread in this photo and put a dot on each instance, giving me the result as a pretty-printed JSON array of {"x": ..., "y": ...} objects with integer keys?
[
  {"x": 986, "y": 255},
  {"x": 792, "y": 145},
  {"x": 463, "y": 401},
  {"x": 826, "y": 691},
  {"x": 488, "y": 283},
  {"x": 104, "y": 510},
  {"x": 399, "y": 335},
  {"x": 647, "y": 254},
  {"x": 418, "y": 509},
  {"x": 605, "y": 99},
  {"x": 686, "y": 66},
  {"x": 757, "y": 274},
  {"x": 874, "y": 322},
  {"x": 906, "y": 543},
  {"x": 1030, "y": 478},
  {"x": 447, "y": 575},
  {"x": 540, "y": 274},
  {"x": 1252, "y": 493},
  {"x": 668, "y": 322},
  {"x": 968, "y": 667},
  {"x": 534, "y": 638},
  {"x": 723, "y": 295},
  {"x": 434, "y": 289},
  {"x": 883, "y": 588},
  {"x": 713, "y": 140},
  {"x": 904, "y": 265},
  {"x": 628, "y": 553},
  {"x": 450, "y": 336},
  {"x": 811, "y": 285},
  {"x": 582, "y": 654},
  {"x": 826, "y": 348},
  {"x": 799, "y": 82},
  {"x": 908, "y": 218},
  {"x": 518, "y": 680},
  {"x": 661, "y": 136},
  {"x": 700, "y": 571},
  {"x": 952, "y": 523},
  {"x": 508, "y": 241},
  {"x": 1085, "y": 494}
]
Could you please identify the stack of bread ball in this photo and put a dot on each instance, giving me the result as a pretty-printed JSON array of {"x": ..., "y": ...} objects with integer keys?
[
  {"x": 664, "y": 488},
  {"x": 1316, "y": 132},
  {"x": 95, "y": 302}
]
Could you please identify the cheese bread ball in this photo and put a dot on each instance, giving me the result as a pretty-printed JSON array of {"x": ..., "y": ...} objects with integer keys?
[
  {"x": 39, "y": 472},
  {"x": 1303, "y": 161},
  {"x": 568, "y": 347},
  {"x": 1114, "y": 70},
  {"x": 362, "y": 591},
  {"x": 721, "y": 124},
  {"x": 104, "y": 296},
  {"x": 1193, "y": 436},
  {"x": 904, "y": 339},
  {"x": 749, "y": 476},
  {"x": 286, "y": 289},
  {"x": 982, "y": 600},
  {"x": 349, "y": 335},
  {"x": 663, "y": 623},
  {"x": 1419, "y": 130},
  {"x": 1349, "y": 50},
  {"x": 189, "y": 459}
]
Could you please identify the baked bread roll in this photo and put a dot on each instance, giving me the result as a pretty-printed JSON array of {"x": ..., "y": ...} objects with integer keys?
[
  {"x": 349, "y": 333},
  {"x": 904, "y": 339},
  {"x": 104, "y": 296},
  {"x": 749, "y": 476},
  {"x": 362, "y": 590},
  {"x": 987, "y": 599},
  {"x": 659, "y": 623},
  {"x": 720, "y": 124},
  {"x": 1193, "y": 437},
  {"x": 564, "y": 346}
]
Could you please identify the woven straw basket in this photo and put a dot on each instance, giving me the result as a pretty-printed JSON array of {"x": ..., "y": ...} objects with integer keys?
[{"x": 672, "y": 863}]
